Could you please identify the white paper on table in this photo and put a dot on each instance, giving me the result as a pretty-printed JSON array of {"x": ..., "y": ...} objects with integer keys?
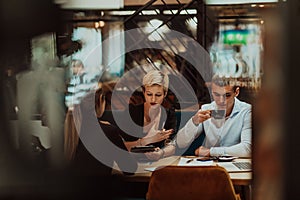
[
  {"x": 194, "y": 162},
  {"x": 150, "y": 169},
  {"x": 183, "y": 162}
]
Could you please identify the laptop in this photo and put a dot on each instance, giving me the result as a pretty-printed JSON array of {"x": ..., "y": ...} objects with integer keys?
[{"x": 238, "y": 166}]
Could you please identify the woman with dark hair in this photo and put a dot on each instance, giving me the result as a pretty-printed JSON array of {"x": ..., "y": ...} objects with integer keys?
[{"x": 99, "y": 146}]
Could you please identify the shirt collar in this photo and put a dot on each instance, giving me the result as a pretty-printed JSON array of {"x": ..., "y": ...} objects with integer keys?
[{"x": 236, "y": 107}]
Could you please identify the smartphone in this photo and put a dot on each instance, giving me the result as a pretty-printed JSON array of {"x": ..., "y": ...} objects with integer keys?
[{"x": 142, "y": 149}]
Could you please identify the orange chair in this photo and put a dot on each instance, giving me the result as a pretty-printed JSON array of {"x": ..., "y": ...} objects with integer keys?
[{"x": 191, "y": 182}]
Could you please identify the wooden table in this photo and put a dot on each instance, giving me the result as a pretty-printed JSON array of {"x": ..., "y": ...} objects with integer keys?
[{"x": 141, "y": 175}]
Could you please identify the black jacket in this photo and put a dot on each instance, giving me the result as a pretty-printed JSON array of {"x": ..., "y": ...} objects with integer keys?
[
  {"x": 167, "y": 121},
  {"x": 100, "y": 145}
]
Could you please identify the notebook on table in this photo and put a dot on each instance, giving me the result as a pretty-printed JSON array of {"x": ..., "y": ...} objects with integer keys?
[{"x": 238, "y": 166}]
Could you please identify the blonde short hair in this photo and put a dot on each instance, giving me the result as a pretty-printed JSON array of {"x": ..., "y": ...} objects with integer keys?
[{"x": 156, "y": 77}]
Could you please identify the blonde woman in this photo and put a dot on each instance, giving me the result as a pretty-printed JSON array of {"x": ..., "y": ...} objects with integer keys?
[{"x": 157, "y": 124}]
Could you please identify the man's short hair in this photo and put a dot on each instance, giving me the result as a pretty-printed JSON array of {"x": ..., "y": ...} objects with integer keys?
[{"x": 223, "y": 81}]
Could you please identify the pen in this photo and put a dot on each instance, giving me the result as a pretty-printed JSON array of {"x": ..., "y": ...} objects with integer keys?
[{"x": 190, "y": 160}]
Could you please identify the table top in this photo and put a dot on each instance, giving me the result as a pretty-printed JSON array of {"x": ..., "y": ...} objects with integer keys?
[{"x": 145, "y": 169}]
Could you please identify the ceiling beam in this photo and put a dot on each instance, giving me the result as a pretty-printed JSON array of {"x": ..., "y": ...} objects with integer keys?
[{"x": 143, "y": 2}]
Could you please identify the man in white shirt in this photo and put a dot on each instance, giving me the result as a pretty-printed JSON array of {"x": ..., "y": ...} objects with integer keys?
[{"x": 228, "y": 134}]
